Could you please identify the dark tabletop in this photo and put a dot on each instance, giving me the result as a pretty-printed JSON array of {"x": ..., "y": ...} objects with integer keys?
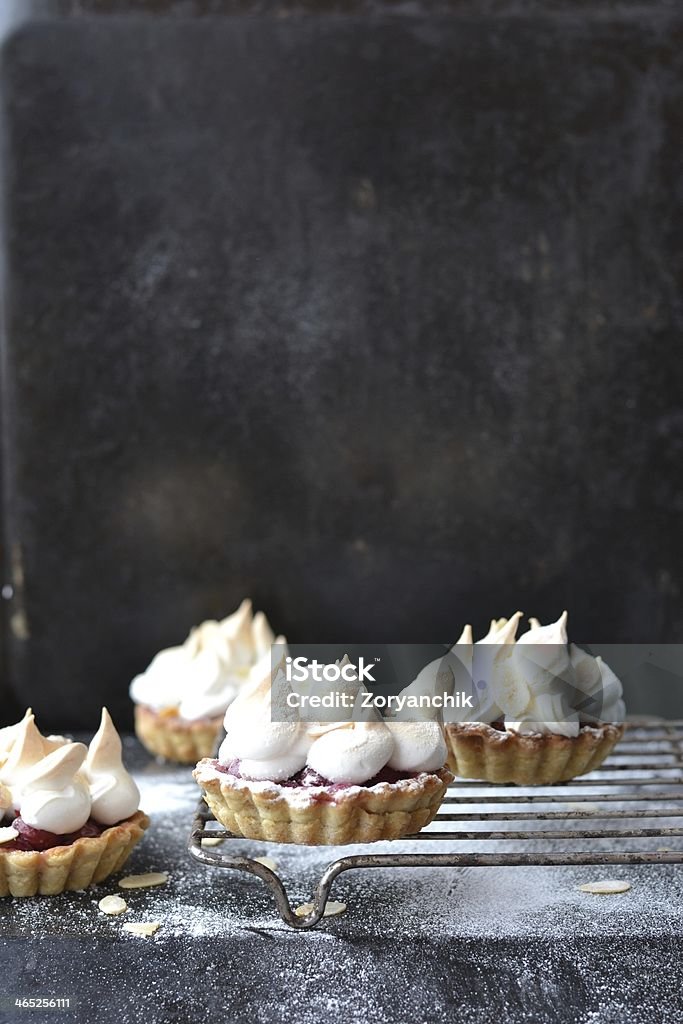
[{"x": 419, "y": 945}]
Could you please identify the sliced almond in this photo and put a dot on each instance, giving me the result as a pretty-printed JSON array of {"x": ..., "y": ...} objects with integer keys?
[
  {"x": 8, "y": 834},
  {"x": 211, "y": 841},
  {"x": 113, "y": 905},
  {"x": 143, "y": 927},
  {"x": 331, "y": 908},
  {"x": 143, "y": 881},
  {"x": 606, "y": 888},
  {"x": 267, "y": 862}
]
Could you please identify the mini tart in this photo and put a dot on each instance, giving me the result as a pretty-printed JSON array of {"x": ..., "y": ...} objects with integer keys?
[
  {"x": 165, "y": 734},
  {"x": 68, "y": 868},
  {"x": 311, "y": 816},
  {"x": 478, "y": 751}
]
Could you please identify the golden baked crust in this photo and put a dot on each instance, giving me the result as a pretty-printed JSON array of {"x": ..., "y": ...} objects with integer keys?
[
  {"x": 477, "y": 751},
  {"x": 266, "y": 811},
  {"x": 67, "y": 868},
  {"x": 171, "y": 737}
]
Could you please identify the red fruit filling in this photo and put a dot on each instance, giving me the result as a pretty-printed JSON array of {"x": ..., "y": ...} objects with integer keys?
[
  {"x": 35, "y": 839},
  {"x": 307, "y": 778}
]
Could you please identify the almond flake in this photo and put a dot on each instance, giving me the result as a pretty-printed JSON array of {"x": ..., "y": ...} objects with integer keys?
[
  {"x": 142, "y": 881},
  {"x": 8, "y": 834},
  {"x": 267, "y": 862},
  {"x": 331, "y": 908},
  {"x": 211, "y": 841},
  {"x": 112, "y": 905},
  {"x": 605, "y": 888},
  {"x": 145, "y": 928}
]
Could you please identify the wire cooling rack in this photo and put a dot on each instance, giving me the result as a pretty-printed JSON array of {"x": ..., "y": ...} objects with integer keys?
[{"x": 637, "y": 796}]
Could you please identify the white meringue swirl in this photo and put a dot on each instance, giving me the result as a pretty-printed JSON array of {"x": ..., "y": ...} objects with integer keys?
[
  {"x": 541, "y": 685},
  {"x": 8, "y": 735},
  {"x": 26, "y": 751},
  {"x": 53, "y": 797},
  {"x": 352, "y": 751},
  {"x": 113, "y": 794},
  {"x": 267, "y": 749},
  {"x": 57, "y": 785},
  {"x": 418, "y": 746},
  {"x": 201, "y": 677}
]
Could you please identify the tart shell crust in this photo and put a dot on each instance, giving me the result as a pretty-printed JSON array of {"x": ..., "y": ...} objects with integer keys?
[
  {"x": 173, "y": 738},
  {"x": 308, "y": 817},
  {"x": 67, "y": 868},
  {"x": 477, "y": 751}
]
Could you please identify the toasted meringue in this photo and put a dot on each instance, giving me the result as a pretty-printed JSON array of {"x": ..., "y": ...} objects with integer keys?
[
  {"x": 418, "y": 746},
  {"x": 540, "y": 684},
  {"x": 8, "y": 735},
  {"x": 200, "y": 678},
  {"x": 27, "y": 749},
  {"x": 53, "y": 797},
  {"x": 599, "y": 691},
  {"x": 267, "y": 749},
  {"x": 113, "y": 793},
  {"x": 353, "y": 752}
]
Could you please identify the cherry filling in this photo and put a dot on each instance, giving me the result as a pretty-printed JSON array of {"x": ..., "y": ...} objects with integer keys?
[
  {"x": 499, "y": 725},
  {"x": 307, "y": 778},
  {"x": 35, "y": 839}
]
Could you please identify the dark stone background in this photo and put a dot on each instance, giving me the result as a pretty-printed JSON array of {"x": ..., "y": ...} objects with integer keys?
[{"x": 370, "y": 312}]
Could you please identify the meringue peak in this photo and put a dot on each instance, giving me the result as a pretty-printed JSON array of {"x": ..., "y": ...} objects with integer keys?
[
  {"x": 54, "y": 796},
  {"x": 466, "y": 637},
  {"x": 201, "y": 677},
  {"x": 238, "y": 625},
  {"x": 113, "y": 793},
  {"x": 553, "y": 633},
  {"x": 493, "y": 629},
  {"x": 261, "y": 693},
  {"x": 261, "y": 632},
  {"x": 8, "y": 734},
  {"x": 104, "y": 751},
  {"x": 207, "y": 634},
  {"x": 506, "y": 633},
  {"x": 27, "y": 749},
  {"x": 56, "y": 770},
  {"x": 502, "y": 631}
]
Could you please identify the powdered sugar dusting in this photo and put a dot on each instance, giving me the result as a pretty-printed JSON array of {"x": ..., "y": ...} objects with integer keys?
[
  {"x": 304, "y": 797},
  {"x": 497, "y": 943}
]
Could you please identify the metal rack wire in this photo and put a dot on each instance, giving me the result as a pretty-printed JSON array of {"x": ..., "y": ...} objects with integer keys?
[{"x": 631, "y": 797}]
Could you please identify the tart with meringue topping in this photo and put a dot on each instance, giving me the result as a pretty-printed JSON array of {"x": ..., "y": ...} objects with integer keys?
[
  {"x": 181, "y": 698},
  {"x": 546, "y": 710},
  {"x": 68, "y": 813},
  {"x": 321, "y": 783}
]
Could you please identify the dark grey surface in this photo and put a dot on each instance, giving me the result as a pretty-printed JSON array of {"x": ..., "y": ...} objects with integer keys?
[
  {"x": 422, "y": 946},
  {"x": 261, "y": 978},
  {"x": 373, "y": 317}
]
